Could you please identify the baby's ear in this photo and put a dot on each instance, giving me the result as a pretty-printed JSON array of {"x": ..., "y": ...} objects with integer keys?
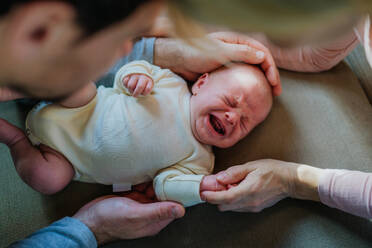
[{"x": 199, "y": 83}]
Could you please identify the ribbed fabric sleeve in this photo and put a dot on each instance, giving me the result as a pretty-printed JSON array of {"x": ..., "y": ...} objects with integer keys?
[
  {"x": 349, "y": 191},
  {"x": 67, "y": 232}
]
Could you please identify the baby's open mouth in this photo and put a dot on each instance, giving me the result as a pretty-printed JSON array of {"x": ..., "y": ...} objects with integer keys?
[{"x": 217, "y": 125}]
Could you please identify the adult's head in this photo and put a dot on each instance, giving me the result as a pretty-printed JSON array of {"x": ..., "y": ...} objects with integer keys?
[
  {"x": 51, "y": 48},
  {"x": 285, "y": 21}
]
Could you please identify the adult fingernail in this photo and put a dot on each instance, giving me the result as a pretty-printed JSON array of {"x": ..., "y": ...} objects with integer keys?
[
  {"x": 260, "y": 54},
  {"x": 175, "y": 212}
]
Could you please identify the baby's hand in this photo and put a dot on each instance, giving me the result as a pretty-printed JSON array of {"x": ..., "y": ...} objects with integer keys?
[
  {"x": 138, "y": 84},
  {"x": 210, "y": 183}
]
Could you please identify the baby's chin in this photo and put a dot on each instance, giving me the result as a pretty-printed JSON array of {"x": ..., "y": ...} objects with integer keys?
[
  {"x": 219, "y": 144},
  {"x": 203, "y": 138},
  {"x": 223, "y": 145}
]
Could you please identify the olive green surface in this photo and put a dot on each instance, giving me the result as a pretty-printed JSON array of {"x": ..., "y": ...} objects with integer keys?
[{"x": 322, "y": 119}]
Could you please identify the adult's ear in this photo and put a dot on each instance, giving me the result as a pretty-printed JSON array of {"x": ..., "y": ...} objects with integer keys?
[
  {"x": 202, "y": 80},
  {"x": 40, "y": 28}
]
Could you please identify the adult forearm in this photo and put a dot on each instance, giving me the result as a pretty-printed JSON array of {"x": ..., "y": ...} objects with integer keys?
[
  {"x": 68, "y": 232},
  {"x": 166, "y": 53},
  {"x": 349, "y": 191},
  {"x": 311, "y": 58}
]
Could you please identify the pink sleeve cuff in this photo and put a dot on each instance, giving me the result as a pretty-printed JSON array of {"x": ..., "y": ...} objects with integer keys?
[{"x": 349, "y": 191}]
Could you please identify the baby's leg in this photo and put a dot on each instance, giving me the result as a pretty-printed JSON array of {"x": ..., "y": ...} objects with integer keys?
[{"x": 42, "y": 168}]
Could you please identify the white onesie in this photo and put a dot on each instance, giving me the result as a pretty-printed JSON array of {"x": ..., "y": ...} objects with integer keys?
[{"x": 120, "y": 139}]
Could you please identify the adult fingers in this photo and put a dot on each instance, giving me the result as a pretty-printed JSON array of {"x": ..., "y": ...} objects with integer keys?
[
  {"x": 242, "y": 53},
  {"x": 267, "y": 63},
  {"x": 254, "y": 47},
  {"x": 235, "y": 174},
  {"x": 272, "y": 73},
  {"x": 210, "y": 183},
  {"x": 252, "y": 206},
  {"x": 219, "y": 197},
  {"x": 233, "y": 207},
  {"x": 250, "y": 55}
]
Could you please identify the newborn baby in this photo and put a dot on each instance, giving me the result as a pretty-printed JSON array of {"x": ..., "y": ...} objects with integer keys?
[{"x": 147, "y": 127}]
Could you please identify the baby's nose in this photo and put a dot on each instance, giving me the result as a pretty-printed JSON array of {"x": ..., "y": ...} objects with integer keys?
[{"x": 232, "y": 117}]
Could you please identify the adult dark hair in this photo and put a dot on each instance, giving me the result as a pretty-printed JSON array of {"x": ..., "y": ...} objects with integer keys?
[{"x": 91, "y": 15}]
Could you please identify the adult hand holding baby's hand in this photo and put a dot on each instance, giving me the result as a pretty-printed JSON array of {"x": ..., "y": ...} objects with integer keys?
[
  {"x": 210, "y": 183},
  {"x": 138, "y": 84},
  {"x": 190, "y": 62},
  {"x": 255, "y": 185}
]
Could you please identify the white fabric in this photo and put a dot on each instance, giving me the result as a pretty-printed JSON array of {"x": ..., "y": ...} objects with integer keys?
[
  {"x": 119, "y": 139},
  {"x": 364, "y": 34}
]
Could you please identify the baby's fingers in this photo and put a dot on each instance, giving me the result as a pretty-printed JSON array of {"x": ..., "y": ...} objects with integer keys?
[
  {"x": 148, "y": 89},
  {"x": 141, "y": 85},
  {"x": 132, "y": 83},
  {"x": 125, "y": 81},
  {"x": 144, "y": 86},
  {"x": 210, "y": 183}
]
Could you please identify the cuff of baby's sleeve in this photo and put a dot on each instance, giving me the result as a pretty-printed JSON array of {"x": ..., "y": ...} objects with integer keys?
[{"x": 184, "y": 189}]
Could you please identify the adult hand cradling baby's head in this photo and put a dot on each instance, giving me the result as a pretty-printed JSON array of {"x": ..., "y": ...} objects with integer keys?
[{"x": 190, "y": 62}]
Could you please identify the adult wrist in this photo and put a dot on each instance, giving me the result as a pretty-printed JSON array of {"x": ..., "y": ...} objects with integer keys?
[
  {"x": 306, "y": 182},
  {"x": 167, "y": 53},
  {"x": 94, "y": 227}
]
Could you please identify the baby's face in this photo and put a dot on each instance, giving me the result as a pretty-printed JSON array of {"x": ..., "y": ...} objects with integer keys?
[{"x": 228, "y": 103}]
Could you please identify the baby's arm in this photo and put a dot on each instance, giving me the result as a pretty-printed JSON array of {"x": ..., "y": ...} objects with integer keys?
[
  {"x": 42, "y": 168},
  {"x": 181, "y": 184}
]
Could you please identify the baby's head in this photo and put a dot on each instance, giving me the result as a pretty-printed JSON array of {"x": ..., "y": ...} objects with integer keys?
[{"x": 228, "y": 103}]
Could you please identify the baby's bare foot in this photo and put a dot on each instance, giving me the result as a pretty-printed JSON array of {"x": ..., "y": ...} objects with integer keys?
[{"x": 10, "y": 134}]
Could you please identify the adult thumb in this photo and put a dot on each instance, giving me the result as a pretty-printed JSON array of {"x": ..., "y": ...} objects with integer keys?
[{"x": 160, "y": 211}]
